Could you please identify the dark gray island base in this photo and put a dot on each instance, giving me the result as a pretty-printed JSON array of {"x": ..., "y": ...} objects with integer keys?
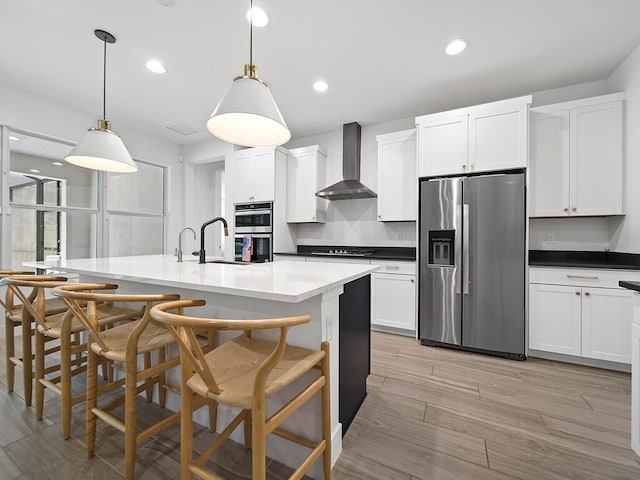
[
  {"x": 355, "y": 348},
  {"x": 635, "y": 286}
]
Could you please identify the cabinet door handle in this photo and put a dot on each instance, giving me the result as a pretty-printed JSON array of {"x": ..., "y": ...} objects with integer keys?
[
  {"x": 574, "y": 209},
  {"x": 565, "y": 209},
  {"x": 473, "y": 165},
  {"x": 586, "y": 294},
  {"x": 392, "y": 267},
  {"x": 464, "y": 167},
  {"x": 583, "y": 277},
  {"x": 413, "y": 281},
  {"x": 577, "y": 293}
]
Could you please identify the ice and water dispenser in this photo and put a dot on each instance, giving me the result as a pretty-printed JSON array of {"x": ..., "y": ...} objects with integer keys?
[{"x": 441, "y": 247}]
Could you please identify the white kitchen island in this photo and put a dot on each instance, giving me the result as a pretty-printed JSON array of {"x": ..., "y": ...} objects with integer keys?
[{"x": 259, "y": 291}]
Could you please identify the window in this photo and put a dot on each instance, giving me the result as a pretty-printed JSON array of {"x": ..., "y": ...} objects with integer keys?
[
  {"x": 59, "y": 209},
  {"x": 135, "y": 208},
  {"x": 53, "y": 204}
]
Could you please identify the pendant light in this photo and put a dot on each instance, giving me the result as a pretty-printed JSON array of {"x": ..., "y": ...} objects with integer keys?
[
  {"x": 101, "y": 148},
  {"x": 248, "y": 115}
]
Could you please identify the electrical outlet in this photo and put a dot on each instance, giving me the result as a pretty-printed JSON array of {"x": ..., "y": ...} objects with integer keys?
[{"x": 551, "y": 238}]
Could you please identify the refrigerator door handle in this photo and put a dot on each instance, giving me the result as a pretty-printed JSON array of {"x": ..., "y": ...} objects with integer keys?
[
  {"x": 458, "y": 250},
  {"x": 465, "y": 249}
]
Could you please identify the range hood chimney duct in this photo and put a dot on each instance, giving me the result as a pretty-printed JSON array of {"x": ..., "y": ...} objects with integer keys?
[{"x": 350, "y": 187}]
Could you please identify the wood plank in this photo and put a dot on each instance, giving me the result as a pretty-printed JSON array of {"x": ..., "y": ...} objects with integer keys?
[
  {"x": 537, "y": 398},
  {"x": 528, "y": 466},
  {"x": 391, "y": 422},
  {"x": 45, "y": 455},
  {"x": 414, "y": 460},
  {"x": 530, "y": 440},
  {"x": 480, "y": 417},
  {"x": 618, "y": 405},
  {"x": 586, "y": 429},
  {"x": 428, "y": 391},
  {"x": 8, "y": 469},
  {"x": 354, "y": 467}
]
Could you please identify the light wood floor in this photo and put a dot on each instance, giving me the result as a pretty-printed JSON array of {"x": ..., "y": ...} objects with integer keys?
[{"x": 431, "y": 413}]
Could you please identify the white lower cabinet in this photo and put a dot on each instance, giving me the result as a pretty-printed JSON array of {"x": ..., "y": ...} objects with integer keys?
[
  {"x": 606, "y": 323},
  {"x": 580, "y": 317},
  {"x": 393, "y": 296},
  {"x": 555, "y": 319}
]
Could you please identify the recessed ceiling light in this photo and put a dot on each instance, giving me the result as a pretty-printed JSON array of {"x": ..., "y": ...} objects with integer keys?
[
  {"x": 155, "y": 66},
  {"x": 320, "y": 86},
  {"x": 257, "y": 16},
  {"x": 11, "y": 137},
  {"x": 57, "y": 164},
  {"x": 34, "y": 170},
  {"x": 456, "y": 46}
]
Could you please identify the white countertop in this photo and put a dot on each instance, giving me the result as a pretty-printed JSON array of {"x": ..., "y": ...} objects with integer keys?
[{"x": 282, "y": 281}]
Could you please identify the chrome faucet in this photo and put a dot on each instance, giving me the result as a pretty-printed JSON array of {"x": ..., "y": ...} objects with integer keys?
[
  {"x": 204, "y": 225},
  {"x": 180, "y": 241}
]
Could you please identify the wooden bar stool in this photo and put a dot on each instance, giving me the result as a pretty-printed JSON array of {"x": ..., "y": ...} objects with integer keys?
[
  {"x": 14, "y": 315},
  {"x": 123, "y": 344},
  {"x": 243, "y": 373},
  {"x": 66, "y": 328}
]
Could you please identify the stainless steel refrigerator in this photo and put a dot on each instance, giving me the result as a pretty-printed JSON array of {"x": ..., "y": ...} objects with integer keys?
[{"x": 472, "y": 263}]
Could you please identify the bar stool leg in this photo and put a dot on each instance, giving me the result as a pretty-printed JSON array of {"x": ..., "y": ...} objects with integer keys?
[
  {"x": 92, "y": 400},
  {"x": 130, "y": 433},
  {"x": 186, "y": 420},
  {"x": 65, "y": 382},
  {"x": 247, "y": 429},
  {"x": 149, "y": 381},
  {"x": 39, "y": 374},
  {"x": 162, "y": 392},
  {"x": 27, "y": 359},
  {"x": 9, "y": 327},
  {"x": 326, "y": 412},
  {"x": 258, "y": 449}
]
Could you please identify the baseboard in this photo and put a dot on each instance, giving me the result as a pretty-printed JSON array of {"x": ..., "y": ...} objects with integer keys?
[{"x": 587, "y": 362}]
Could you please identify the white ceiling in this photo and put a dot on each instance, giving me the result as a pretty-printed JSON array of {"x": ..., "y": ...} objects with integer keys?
[{"x": 382, "y": 59}]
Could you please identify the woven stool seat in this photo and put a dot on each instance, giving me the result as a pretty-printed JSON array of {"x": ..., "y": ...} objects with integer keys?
[
  {"x": 234, "y": 365},
  {"x": 106, "y": 315},
  {"x": 115, "y": 339}
]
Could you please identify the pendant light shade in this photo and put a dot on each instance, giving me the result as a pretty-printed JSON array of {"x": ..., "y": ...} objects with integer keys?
[
  {"x": 100, "y": 148},
  {"x": 248, "y": 115}
]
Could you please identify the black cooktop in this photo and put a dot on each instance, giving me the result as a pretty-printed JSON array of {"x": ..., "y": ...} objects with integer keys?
[{"x": 382, "y": 253}]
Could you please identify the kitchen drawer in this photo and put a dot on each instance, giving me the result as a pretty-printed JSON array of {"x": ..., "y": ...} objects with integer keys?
[
  {"x": 394, "y": 266},
  {"x": 581, "y": 277}
]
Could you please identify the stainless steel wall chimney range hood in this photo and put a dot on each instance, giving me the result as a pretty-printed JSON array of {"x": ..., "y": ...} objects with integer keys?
[{"x": 350, "y": 186}]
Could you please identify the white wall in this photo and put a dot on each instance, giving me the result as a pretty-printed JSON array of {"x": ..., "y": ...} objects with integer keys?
[
  {"x": 354, "y": 222},
  {"x": 26, "y": 112},
  {"x": 625, "y": 233}
]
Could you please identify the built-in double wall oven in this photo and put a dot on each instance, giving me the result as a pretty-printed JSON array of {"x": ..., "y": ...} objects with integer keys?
[{"x": 254, "y": 232}]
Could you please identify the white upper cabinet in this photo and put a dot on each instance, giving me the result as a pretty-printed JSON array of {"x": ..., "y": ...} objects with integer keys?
[
  {"x": 483, "y": 138},
  {"x": 577, "y": 164},
  {"x": 252, "y": 174},
  {"x": 306, "y": 169},
  {"x": 397, "y": 177},
  {"x": 442, "y": 144}
]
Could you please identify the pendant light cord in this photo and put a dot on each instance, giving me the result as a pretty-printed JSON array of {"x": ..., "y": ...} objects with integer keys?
[
  {"x": 251, "y": 35},
  {"x": 104, "y": 82}
]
